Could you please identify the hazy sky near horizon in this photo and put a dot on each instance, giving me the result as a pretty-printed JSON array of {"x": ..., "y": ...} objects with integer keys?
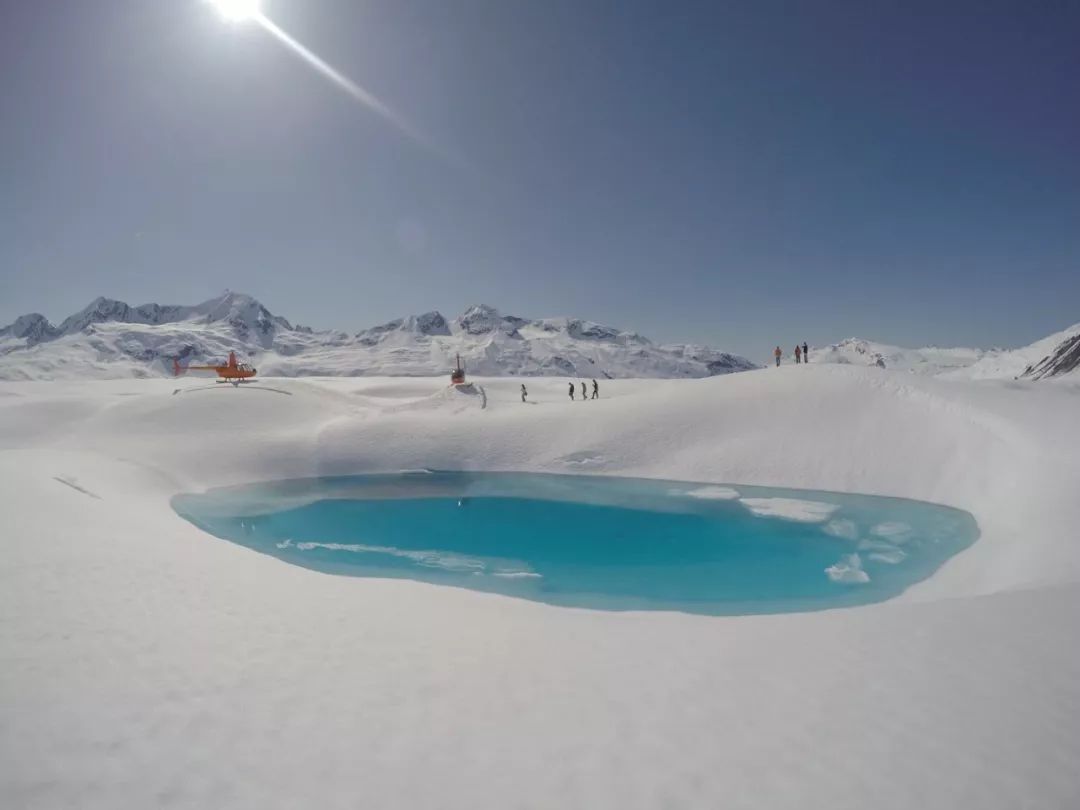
[{"x": 735, "y": 173}]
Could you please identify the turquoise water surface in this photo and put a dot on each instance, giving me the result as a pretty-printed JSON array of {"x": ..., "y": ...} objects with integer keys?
[{"x": 598, "y": 542}]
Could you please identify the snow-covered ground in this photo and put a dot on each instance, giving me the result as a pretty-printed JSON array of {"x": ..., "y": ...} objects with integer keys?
[{"x": 145, "y": 664}]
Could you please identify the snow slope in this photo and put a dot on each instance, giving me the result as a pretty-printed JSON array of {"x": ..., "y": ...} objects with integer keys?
[
  {"x": 1042, "y": 355},
  {"x": 146, "y": 664},
  {"x": 110, "y": 339}
]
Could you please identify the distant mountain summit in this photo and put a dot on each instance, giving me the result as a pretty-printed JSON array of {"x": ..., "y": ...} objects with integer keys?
[
  {"x": 1052, "y": 357},
  {"x": 927, "y": 361},
  {"x": 33, "y": 328},
  {"x": 110, "y": 338}
]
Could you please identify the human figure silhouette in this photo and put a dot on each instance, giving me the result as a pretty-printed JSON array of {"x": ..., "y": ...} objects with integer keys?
[
  {"x": 571, "y": 392},
  {"x": 524, "y": 393},
  {"x": 778, "y": 354},
  {"x": 798, "y": 354},
  {"x": 595, "y": 390},
  {"x": 805, "y": 353},
  {"x": 584, "y": 396}
]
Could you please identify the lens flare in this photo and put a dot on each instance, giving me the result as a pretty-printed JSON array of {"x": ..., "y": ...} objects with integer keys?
[
  {"x": 251, "y": 10},
  {"x": 238, "y": 10}
]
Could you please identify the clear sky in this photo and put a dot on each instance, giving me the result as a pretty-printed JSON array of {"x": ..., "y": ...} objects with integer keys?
[{"x": 736, "y": 173}]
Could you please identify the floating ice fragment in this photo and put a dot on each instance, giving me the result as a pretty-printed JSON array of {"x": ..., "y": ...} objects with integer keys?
[
  {"x": 843, "y": 528},
  {"x": 848, "y": 570},
  {"x": 894, "y": 530},
  {"x": 790, "y": 509},
  {"x": 892, "y": 557},
  {"x": 429, "y": 559},
  {"x": 711, "y": 493}
]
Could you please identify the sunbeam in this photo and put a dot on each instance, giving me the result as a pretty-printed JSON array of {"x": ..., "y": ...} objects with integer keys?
[
  {"x": 366, "y": 98},
  {"x": 243, "y": 11}
]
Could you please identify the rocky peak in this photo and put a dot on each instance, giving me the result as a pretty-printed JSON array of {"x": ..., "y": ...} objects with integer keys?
[
  {"x": 482, "y": 319},
  {"x": 1064, "y": 358},
  {"x": 34, "y": 328},
  {"x": 428, "y": 323},
  {"x": 100, "y": 310}
]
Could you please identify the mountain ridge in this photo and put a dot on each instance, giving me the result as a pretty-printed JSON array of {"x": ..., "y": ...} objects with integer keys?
[{"x": 109, "y": 337}]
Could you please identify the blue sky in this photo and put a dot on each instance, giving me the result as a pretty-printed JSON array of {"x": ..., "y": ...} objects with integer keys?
[{"x": 739, "y": 174}]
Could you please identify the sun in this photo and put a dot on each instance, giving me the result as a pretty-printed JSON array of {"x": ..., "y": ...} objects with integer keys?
[{"x": 238, "y": 10}]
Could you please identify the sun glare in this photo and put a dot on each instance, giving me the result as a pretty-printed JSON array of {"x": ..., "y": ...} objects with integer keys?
[{"x": 237, "y": 10}]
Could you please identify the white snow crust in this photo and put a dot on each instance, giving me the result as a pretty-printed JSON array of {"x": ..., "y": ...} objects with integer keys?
[{"x": 144, "y": 663}]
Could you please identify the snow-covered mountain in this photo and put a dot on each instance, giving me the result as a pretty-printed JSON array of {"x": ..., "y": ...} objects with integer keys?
[
  {"x": 928, "y": 361},
  {"x": 1065, "y": 359},
  {"x": 1054, "y": 356},
  {"x": 112, "y": 339}
]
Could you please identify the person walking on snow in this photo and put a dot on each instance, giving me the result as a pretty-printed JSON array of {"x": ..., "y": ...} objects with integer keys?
[
  {"x": 805, "y": 353},
  {"x": 595, "y": 390},
  {"x": 798, "y": 354},
  {"x": 778, "y": 354},
  {"x": 584, "y": 395},
  {"x": 571, "y": 392},
  {"x": 524, "y": 393}
]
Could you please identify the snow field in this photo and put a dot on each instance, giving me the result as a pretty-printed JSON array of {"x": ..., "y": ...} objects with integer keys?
[{"x": 147, "y": 664}]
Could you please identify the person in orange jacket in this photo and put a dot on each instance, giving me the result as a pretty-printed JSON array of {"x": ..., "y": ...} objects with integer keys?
[
  {"x": 778, "y": 354},
  {"x": 798, "y": 354}
]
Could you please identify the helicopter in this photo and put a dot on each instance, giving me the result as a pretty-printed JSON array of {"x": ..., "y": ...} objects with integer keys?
[{"x": 232, "y": 371}]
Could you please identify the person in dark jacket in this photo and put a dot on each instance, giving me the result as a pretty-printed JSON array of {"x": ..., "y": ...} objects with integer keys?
[
  {"x": 571, "y": 392},
  {"x": 584, "y": 395},
  {"x": 805, "y": 353},
  {"x": 524, "y": 393},
  {"x": 595, "y": 390}
]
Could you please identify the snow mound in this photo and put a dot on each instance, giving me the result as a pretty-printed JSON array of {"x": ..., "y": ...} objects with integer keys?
[{"x": 452, "y": 398}]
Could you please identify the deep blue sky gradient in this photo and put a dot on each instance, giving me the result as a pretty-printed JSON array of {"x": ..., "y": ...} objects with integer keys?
[{"x": 740, "y": 174}]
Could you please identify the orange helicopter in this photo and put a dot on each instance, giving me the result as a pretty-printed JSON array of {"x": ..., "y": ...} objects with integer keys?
[{"x": 232, "y": 371}]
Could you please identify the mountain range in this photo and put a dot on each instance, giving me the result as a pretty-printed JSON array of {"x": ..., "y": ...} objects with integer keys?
[{"x": 110, "y": 338}]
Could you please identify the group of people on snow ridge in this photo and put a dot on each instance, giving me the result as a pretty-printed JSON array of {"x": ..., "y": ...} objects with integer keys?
[
  {"x": 584, "y": 395},
  {"x": 802, "y": 354}
]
